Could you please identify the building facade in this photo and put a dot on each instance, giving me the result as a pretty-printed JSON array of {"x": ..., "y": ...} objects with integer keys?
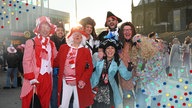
[
  {"x": 18, "y": 19},
  {"x": 162, "y": 15}
]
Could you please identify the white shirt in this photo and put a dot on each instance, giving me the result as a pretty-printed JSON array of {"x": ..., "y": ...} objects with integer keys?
[{"x": 46, "y": 64}]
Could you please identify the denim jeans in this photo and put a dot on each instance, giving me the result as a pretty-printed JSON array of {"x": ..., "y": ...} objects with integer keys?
[
  {"x": 54, "y": 92},
  {"x": 9, "y": 71},
  {"x": 54, "y": 89}
]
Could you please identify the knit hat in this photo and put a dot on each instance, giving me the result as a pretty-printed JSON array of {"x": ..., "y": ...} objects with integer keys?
[
  {"x": 110, "y": 14},
  {"x": 44, "y": 19}
]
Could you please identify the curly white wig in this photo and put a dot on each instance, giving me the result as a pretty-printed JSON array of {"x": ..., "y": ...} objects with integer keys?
[{"x": 70, "y": 41}]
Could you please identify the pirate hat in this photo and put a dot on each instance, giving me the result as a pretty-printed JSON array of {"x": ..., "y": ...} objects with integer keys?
[{"x": 110, "y": 14}]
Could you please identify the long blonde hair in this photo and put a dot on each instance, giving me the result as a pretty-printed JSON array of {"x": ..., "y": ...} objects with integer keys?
[{"x": 146, "y": 51}]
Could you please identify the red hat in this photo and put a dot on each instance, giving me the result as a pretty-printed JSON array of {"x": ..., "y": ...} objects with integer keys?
[
  {"x": 44, "y": 19},
  {"x": 78, "y": 29}
]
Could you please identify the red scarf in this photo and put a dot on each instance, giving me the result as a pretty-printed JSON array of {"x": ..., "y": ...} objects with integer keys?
[
  {"x": 72, "y": 55},
  {"x": 44, "y": 41},
  {"x": 40, "y": 49}
]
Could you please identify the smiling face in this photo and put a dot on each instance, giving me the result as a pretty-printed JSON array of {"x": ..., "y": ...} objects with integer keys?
[
  {"x": 44, "y": 29},
  {"x": 88, "y": 29},
  {"x": 60, "y": 32},
  {"x": 127, "y": 32},
  {"x": 112, "y": 22},
  {"x": 110, "y": 52}
]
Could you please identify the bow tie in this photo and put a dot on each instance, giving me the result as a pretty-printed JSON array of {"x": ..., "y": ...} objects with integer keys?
[{"x": 109, "y": 36}]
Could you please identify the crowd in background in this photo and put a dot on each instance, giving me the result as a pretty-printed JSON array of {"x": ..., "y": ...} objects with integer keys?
[{"x": 83, "y": 69}]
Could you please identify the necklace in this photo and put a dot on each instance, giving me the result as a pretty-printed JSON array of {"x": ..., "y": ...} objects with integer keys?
[{"x": 105, "y": 72}]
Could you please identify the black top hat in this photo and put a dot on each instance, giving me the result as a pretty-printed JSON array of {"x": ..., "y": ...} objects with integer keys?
[{"x": 110, "y": 14}]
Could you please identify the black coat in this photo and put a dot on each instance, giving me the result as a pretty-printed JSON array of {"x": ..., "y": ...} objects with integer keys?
[
  {"x": 104, "y": 33},
  {"x": 20, "y": 64},
  {"x": 12, "y": 60},
  {"x": 57, "y": 41}
]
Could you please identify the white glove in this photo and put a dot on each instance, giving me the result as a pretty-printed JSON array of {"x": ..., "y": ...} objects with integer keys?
[{"x": 33, "y": 81}]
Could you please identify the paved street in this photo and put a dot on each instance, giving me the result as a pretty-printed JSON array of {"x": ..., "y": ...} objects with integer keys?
[
  {"x": 178, "y": 93},
  {"x": 8, "y": 98}
]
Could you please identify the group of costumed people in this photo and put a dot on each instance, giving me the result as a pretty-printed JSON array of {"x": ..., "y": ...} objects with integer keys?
[{"x": 91, "y": 68}]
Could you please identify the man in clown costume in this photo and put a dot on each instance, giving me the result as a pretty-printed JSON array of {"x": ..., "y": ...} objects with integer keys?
[
  {"x": 37, "y": 64},
  {"x": 75, "y": 69}
]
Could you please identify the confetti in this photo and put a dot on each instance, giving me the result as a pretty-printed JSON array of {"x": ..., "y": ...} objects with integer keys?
[
  {"x": 12, "y": 7},
  {"x": 185, "y": 87}
]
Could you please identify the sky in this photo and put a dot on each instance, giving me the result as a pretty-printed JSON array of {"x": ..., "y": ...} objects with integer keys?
[{"x": 96, "y": 9}]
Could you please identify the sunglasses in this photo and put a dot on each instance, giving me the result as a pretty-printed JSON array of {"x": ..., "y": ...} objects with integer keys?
[{"x": 138, "y": 41}]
